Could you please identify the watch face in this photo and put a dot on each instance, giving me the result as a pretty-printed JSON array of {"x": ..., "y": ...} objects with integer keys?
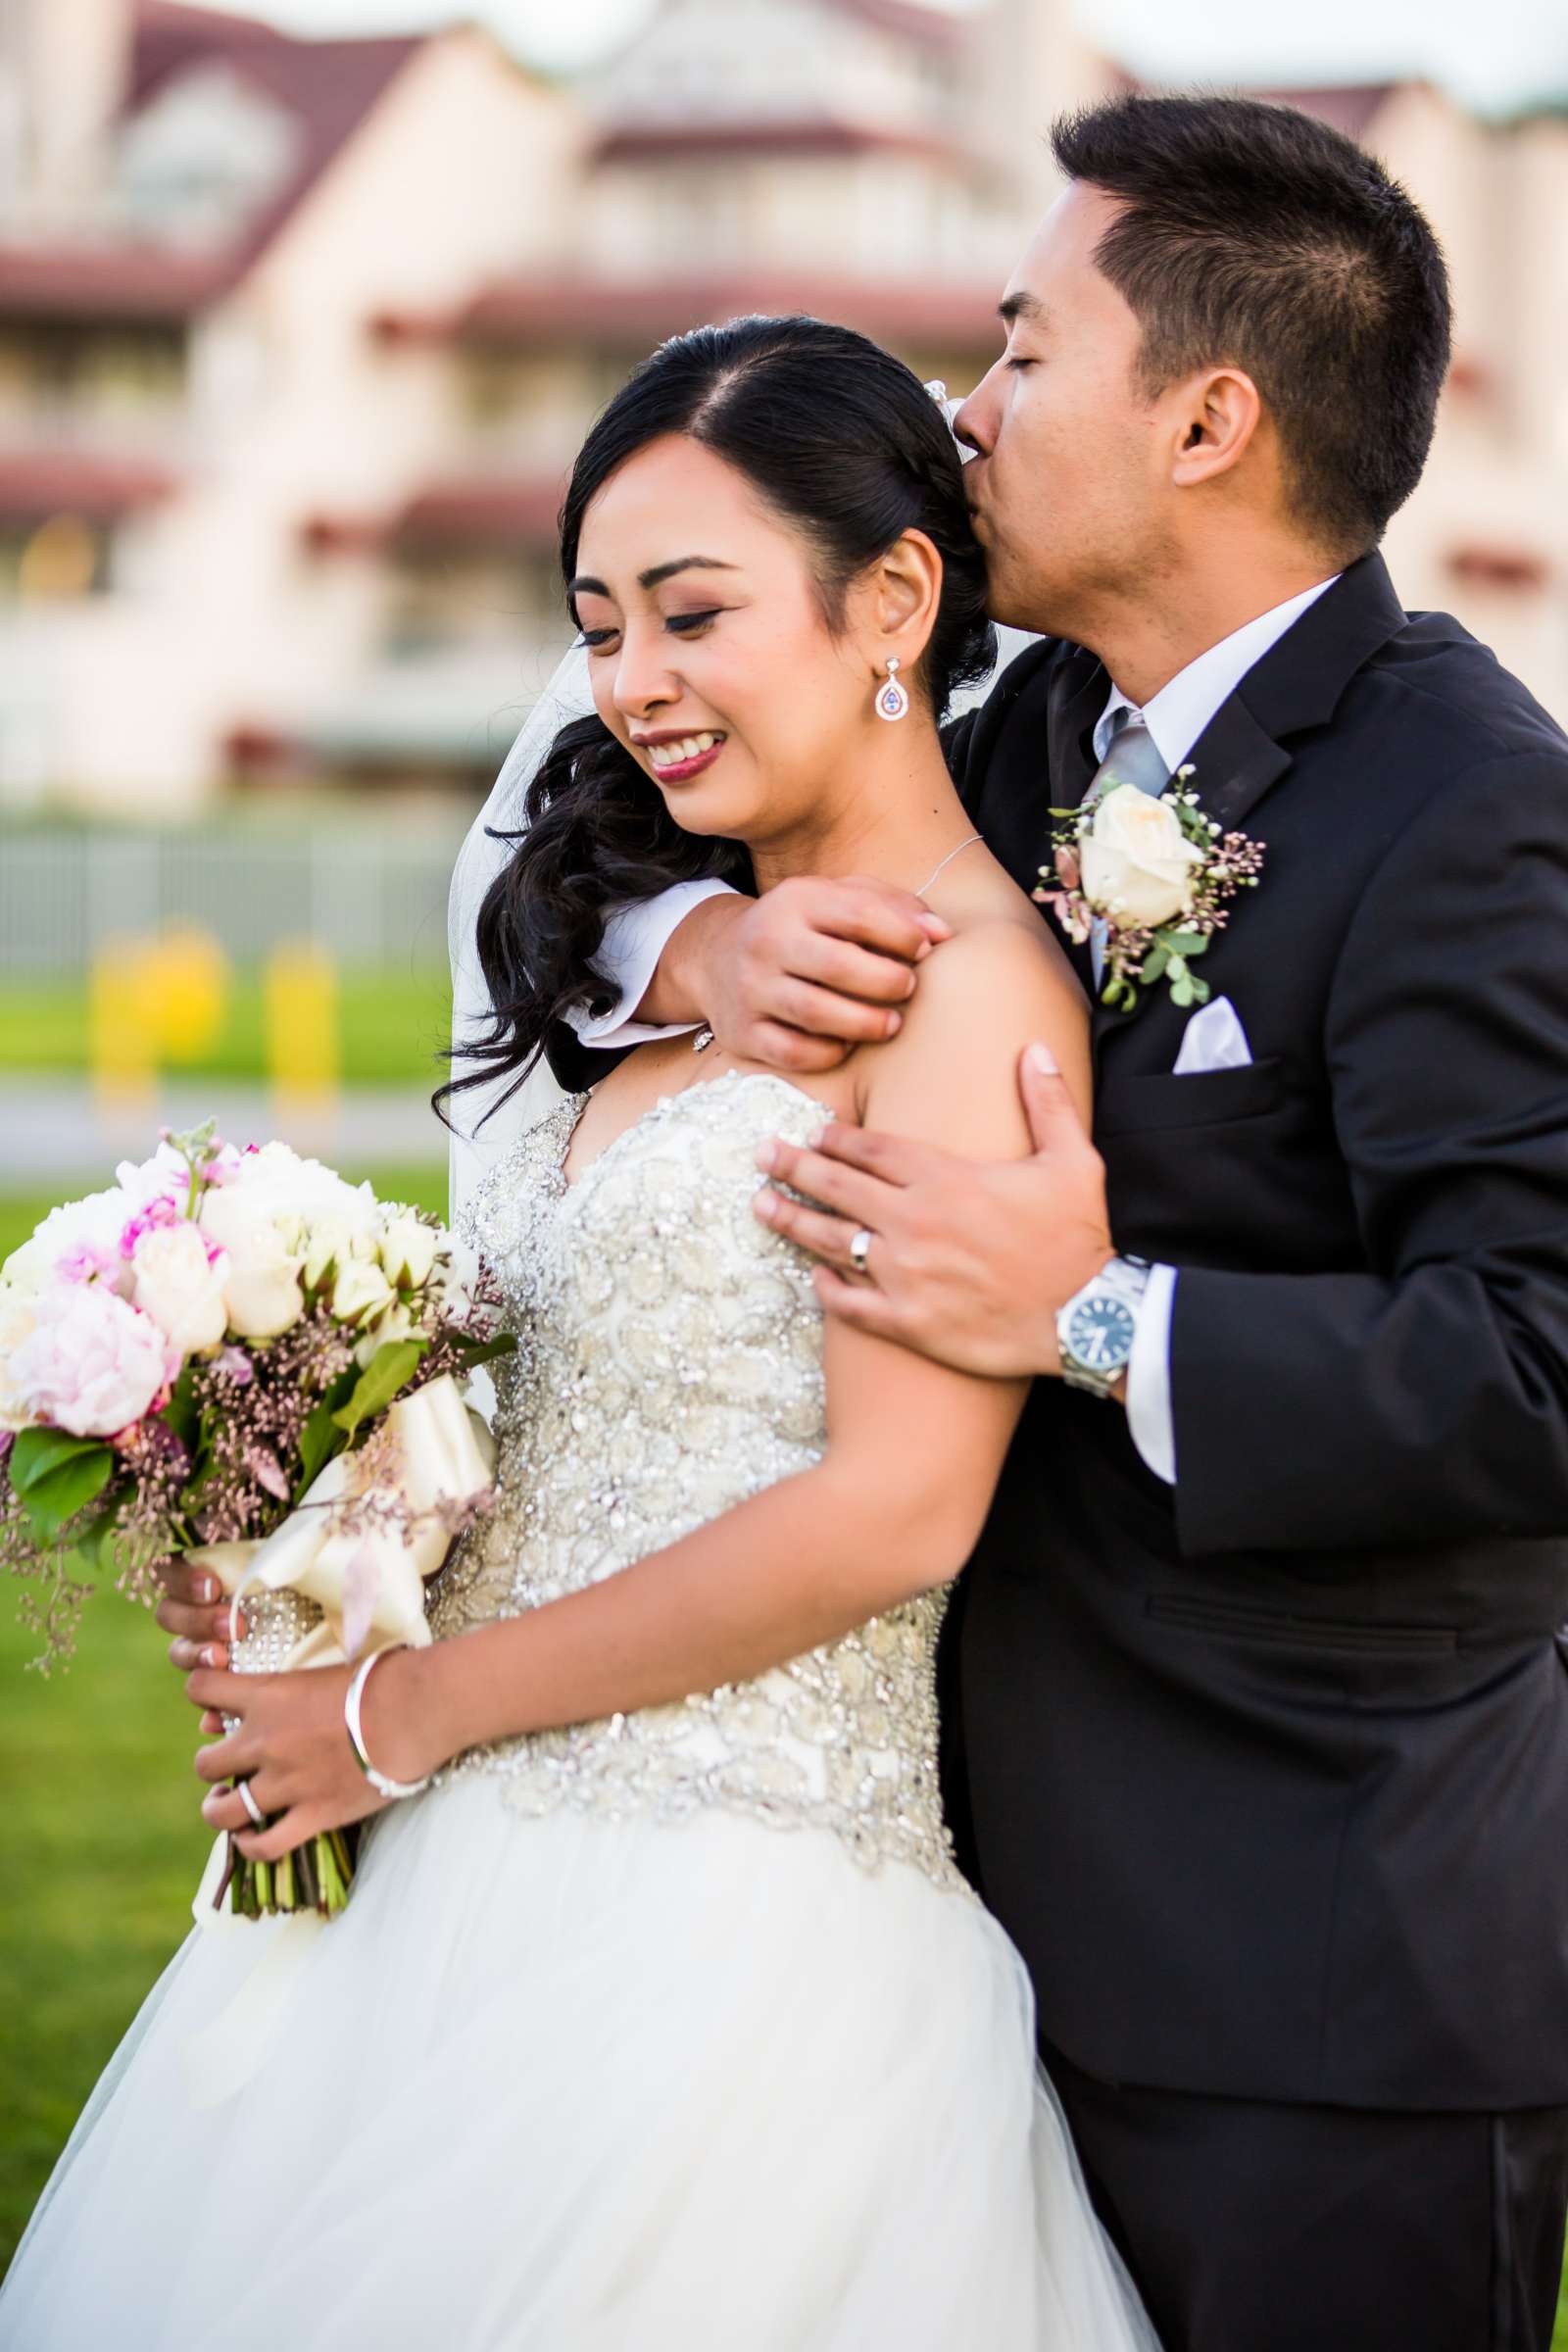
[{"x": 1099, "y": 1333}]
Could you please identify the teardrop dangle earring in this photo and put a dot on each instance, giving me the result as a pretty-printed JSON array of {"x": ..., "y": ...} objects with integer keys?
[{"x": 892, "y": 702}]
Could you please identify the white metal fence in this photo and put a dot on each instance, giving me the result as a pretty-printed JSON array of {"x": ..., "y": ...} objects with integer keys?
[{"x": 370, "y": 892}]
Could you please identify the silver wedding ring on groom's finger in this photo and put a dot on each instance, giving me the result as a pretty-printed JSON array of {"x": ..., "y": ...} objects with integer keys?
[
  {"x": 258, "y": 1817},
  {"x": 860, "y": 1250}
]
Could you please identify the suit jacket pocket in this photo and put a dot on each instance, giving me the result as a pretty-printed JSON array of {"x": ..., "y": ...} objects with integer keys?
[
  {"x": 1198, "y": 1613},
  {"x": 1198, "y": 1098}
]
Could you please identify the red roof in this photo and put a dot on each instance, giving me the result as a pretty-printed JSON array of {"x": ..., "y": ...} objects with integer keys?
[
  {"x": 941, "y": 28},
  {"x": 44, "y": 482},
  {"x": 632, "y": 315},
  {"x": 327, "y": 87},
  {"x": 633, "y": 142},
  {"x": 491, "y": 512},
  {"x": 115, "y": 284}
]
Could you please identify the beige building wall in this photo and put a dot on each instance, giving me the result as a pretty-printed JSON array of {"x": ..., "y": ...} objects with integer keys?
[
  {"x": 221, "y": 616},
  {"x": 1486, "y": 535}
]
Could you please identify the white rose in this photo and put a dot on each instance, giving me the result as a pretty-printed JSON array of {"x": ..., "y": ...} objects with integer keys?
[
  {"x": 361, "y": 1292},
  {"x": 181, "y": 1288},
  {"x": 289, "y": 1188},
  {"x": 407, "y": 1250},
  {"x": 1138, "y": 864},
  {"x": 262, "y": 1292}
]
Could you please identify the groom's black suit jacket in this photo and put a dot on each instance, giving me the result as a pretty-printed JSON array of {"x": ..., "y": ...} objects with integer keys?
[{"x": 1267, "y": 1775}]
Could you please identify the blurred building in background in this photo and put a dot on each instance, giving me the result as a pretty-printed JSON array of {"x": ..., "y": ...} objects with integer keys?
[{"x": 297, "y": 340}]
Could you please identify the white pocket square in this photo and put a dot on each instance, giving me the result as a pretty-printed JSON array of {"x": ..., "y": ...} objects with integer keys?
[{"x": 1214, "y": 1040}]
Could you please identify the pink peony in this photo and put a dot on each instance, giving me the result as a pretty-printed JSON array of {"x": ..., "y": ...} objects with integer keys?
[
  {"x": 91, "y": 1364},
  {"x": 162, "y": 1211}
]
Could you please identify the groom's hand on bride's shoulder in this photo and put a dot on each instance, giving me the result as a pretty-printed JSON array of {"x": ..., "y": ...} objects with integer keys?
[
  {"x": 968, "y": 1262},
  {"x": 799, "y": 977}
]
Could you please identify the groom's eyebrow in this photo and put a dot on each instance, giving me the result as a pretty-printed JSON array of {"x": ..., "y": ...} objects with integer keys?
[{"x": 1028, "y": 307}]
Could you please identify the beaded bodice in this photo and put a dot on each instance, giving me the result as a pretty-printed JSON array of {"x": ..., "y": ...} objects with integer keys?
[{"x": 668, "y": 1366}]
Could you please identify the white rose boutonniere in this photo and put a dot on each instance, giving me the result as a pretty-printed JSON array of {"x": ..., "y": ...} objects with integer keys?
[{"x": 1157, "y": 873}]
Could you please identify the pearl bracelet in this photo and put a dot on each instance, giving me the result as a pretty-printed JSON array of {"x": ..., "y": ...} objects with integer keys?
[{"x": 352, "y": 1697}]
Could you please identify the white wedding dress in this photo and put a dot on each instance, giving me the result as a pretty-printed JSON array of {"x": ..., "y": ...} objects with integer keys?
[{"x": 674, "y": 2031}]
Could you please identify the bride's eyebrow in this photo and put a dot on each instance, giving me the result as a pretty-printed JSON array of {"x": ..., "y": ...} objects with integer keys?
[{"x": 657, "y": 576}]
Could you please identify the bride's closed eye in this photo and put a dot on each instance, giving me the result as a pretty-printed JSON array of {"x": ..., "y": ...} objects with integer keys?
[{"x": 684, "y": 624}]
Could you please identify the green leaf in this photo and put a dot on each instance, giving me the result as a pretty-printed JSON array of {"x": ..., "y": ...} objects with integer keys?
[
  {"x": 67, "y": 1490},
  {"x": 95, "y": 1535},
  {"x": 390, "y": 1368},
  {"x": 1201, "y": 991},
  {"x": 1187, "y": 943},
  {"x": 1184, "y": 991},
  {"x": 1155, "y": 963},
  {"x": 38, "y": 1453}
]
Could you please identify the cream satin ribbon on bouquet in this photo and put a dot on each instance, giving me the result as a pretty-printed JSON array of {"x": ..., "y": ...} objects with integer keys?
[{"x": 361, "y": 1542}]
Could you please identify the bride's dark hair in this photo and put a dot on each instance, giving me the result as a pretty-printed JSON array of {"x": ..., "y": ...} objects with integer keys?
[{"x": 842, "y": 440}]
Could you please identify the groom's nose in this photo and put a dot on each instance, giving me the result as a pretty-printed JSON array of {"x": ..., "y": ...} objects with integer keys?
[{"x": 974, "y": 423}]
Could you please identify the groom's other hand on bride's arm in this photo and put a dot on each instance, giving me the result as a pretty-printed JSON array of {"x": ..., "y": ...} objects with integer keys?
[
  {"x": 797, "y": 978},
  {"x": 969, "y": 1263},
  {"x": 193, "y": 1610}
]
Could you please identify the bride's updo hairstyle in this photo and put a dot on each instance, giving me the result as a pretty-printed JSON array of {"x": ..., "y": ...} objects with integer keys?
[{"x": 841, "y": 440}]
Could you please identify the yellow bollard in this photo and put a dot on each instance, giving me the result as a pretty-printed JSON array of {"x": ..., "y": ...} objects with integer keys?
[
  {"x": 301, "y": 1013},
  {"x": 124, "y": 1022},
  {"x": 190, "y": 982}
]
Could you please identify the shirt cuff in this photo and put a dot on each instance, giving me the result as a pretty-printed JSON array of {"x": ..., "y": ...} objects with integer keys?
[
  {"x": 635, "y": 937},
  {"x": 1149, "y": 1416}
]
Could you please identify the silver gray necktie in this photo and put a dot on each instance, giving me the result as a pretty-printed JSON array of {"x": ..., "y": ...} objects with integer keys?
[{"x": 1132, "y": 756}]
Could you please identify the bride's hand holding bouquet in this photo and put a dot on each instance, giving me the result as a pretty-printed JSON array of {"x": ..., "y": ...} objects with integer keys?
[{"x": 240, "y": 1361}]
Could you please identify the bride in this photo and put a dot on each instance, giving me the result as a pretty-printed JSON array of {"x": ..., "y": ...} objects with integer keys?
[{"x": 663, "y": 2016}]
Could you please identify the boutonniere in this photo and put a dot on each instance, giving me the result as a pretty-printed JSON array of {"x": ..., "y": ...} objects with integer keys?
[{"x": 1158, "y": 874}]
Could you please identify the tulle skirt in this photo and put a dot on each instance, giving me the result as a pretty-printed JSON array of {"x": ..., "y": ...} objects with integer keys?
[{"x": 579, "y": 2085}]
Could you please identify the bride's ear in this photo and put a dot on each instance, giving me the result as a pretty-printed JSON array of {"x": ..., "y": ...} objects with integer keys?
[{"x": 896, "y": 602}]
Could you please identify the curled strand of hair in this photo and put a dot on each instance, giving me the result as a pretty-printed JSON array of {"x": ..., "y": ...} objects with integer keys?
[{"x": 598, "y": 835}]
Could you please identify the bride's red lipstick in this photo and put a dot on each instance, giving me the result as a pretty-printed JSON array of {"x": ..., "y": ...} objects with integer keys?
[{"x": 678, "y": 770}]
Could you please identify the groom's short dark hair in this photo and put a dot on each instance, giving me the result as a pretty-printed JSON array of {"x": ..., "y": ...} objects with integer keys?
[{"x": 1253, "y": 234}]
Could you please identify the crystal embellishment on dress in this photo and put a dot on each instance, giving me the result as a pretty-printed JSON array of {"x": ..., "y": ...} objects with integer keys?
[{"x": 670, "y": 1366}]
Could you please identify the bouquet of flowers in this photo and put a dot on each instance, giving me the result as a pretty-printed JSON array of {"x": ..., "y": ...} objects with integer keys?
[{"x": 237, "y": 1357}]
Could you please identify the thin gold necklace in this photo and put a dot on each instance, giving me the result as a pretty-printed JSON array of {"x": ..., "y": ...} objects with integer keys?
[{"x": 705, "y": 1036}]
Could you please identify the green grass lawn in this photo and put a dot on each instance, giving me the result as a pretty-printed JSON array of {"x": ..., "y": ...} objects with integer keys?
[
  {"x": 100, "y": 1849},
  {"x": 391, "y": 1025}
]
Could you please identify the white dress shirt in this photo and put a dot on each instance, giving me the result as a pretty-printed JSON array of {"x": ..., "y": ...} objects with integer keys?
[{"x": 635, "y": 937}]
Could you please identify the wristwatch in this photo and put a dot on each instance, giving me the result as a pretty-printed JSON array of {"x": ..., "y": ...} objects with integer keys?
[{"x": 1098, "y": 1324}]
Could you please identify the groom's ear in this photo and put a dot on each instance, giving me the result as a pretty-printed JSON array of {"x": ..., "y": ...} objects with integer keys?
[{"x": 1215, "y": 420}]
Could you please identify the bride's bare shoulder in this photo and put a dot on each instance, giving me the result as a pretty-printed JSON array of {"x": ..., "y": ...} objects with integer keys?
[{"x": 1001, "y": 982}]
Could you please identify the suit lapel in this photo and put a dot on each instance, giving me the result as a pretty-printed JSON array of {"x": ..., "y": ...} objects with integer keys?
[
  {"x": 1244, "y": 750},
  {"x": 1079, "y": 689}
]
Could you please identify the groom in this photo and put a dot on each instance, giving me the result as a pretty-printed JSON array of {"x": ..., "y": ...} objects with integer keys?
[{"x": 1259, "y": 1692}]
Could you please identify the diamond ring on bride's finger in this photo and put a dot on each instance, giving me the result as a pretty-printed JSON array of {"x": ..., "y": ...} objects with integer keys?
[{"x": 860, "y": 1250}]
